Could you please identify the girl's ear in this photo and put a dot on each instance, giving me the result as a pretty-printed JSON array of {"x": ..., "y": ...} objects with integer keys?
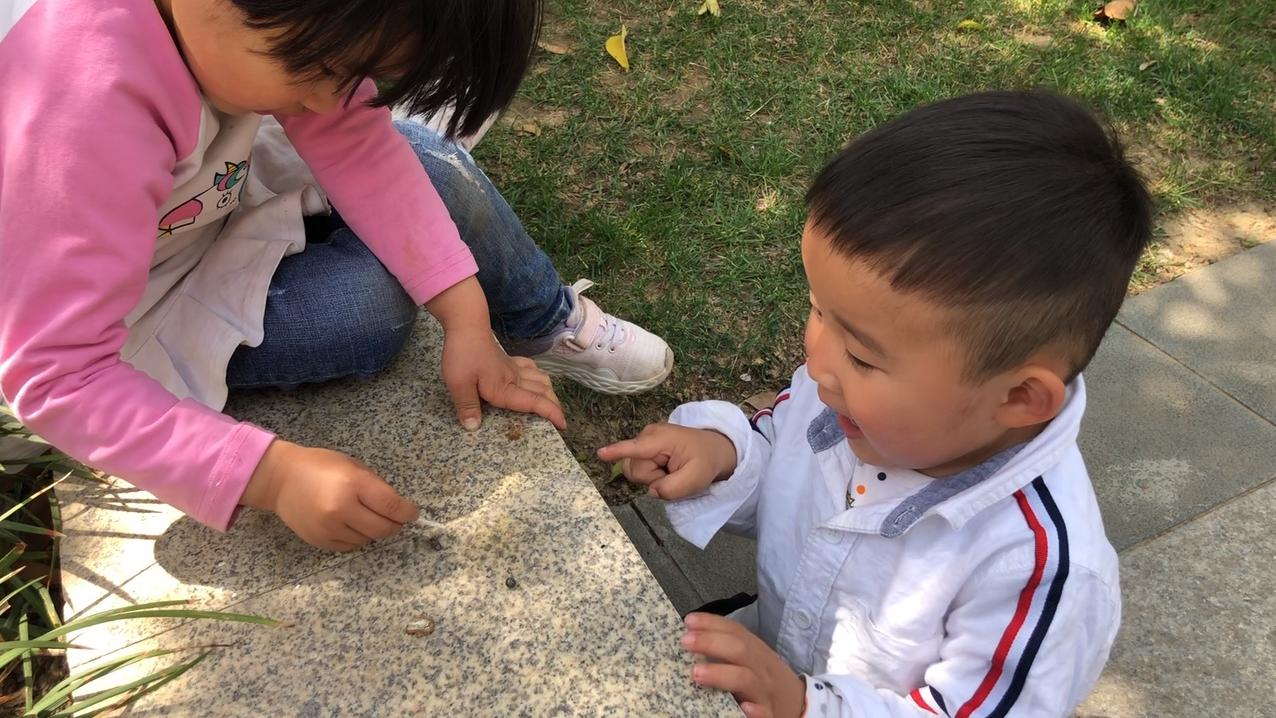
[{"x": 1035, "y": 395}]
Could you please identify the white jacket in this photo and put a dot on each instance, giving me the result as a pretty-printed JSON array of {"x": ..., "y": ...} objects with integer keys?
[{"x": 990, "y": 593}]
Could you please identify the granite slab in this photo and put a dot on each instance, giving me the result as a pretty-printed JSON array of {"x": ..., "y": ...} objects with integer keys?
[
  {"x": 1161, "y": 443},
  {"x": 1198, "y": 635},
  {"x": 1220, "y": 321},
  {"x": 540, "y": 604}
]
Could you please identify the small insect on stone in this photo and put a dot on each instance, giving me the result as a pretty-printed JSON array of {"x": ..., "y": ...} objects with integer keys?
[
  {"x": 420, "y": 627},
  {"x": 510, "y": 582}
]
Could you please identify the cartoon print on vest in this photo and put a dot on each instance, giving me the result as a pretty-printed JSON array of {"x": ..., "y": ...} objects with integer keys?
[{"x": 185, "y": 214}]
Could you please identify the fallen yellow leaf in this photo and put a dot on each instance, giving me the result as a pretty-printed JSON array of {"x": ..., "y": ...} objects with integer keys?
[
  {"x": 616, "y": 47},
  {"x": 711, "y": 7},
  {"x": 970, "y": 25}
]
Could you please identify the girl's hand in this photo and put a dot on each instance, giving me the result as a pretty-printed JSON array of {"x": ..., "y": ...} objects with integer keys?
[
  {"x": 673, "y": 461},
  {"x": 745, "y": 666},
  {"x": 327, "y": 498},
  {"x": 476, "y": 367}
]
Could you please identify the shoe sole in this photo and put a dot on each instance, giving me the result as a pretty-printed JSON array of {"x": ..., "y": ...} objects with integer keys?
[{"x": 602, "y": 380}]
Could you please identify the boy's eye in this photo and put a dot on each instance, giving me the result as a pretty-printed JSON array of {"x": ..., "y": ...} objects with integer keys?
[{"x": 859, "y": 363}]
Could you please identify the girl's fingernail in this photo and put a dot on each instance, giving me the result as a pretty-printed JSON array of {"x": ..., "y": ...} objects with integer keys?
[
  {"x": 697, "y": 674},
  {"x": 470, "y": 423},
  {"x": 686, "y": 640}
]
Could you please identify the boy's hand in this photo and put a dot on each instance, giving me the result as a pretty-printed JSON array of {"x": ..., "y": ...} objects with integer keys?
[
  {"x": 673, "y": 461},
  {"x": 763, "y": 685},
  {"x": 475, "y": 366},
  {"x": 327, "y": 498}
]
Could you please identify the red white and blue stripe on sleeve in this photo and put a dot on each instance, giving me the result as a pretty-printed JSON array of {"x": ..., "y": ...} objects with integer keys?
[
  {"x": 1012, "y": 659},
  {"x": 780, "y": 398}
]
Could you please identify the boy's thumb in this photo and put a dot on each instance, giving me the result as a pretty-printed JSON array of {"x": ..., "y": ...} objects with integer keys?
[{"x": 677, "y": 484}]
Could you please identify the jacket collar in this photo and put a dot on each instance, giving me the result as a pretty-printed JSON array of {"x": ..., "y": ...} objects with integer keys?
[{"x": 956, "y": 498}]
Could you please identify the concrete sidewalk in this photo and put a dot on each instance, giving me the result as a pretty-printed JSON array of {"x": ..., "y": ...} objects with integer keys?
[{"x": 1180, "y": 438}]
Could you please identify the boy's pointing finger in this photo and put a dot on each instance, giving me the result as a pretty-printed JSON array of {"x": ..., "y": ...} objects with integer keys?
[{"x": 639, "y": 448}]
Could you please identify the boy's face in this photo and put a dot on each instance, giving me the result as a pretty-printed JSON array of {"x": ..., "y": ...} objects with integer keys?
[
  {"x": 890, "y": 365},
  {"x": 230, "y": 63}
]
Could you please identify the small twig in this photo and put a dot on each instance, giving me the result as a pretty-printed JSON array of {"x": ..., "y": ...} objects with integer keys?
[{"x": 759, "y": 107}]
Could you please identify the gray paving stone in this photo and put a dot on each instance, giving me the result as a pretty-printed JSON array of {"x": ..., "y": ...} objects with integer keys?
[
  {"x": 1161, "y": 443},
  {"x": 724, "y": 568},
  {"x": 681, "y": 593},
  {"x": 1220, "y": 321},
  {"x": 1198, "y": 635}
]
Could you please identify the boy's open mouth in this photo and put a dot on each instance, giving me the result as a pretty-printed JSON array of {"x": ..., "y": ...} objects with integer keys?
[{"x": 849, "y": 427}]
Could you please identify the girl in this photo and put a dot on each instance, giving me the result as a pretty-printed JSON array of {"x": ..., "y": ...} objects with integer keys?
[{"x": 151, "y": 237}]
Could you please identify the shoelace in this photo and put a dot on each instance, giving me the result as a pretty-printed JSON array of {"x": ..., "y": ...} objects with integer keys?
[{"x": 611, "y": 333}]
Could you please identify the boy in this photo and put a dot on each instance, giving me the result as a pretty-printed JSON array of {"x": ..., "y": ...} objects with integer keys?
[{"x": 928, "y": 538}]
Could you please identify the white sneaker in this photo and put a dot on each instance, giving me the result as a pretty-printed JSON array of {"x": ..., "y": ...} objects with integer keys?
[{"x": 604, "y": 353}]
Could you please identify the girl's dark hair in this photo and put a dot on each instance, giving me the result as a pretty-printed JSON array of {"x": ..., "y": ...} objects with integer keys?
[
  {"x": 1016, "y": 210},
  {"x": 429, "y": 54}
]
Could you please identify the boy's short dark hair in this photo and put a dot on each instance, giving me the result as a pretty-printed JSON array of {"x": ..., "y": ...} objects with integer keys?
[
  {"x": 1017, "y": 210},
  {"x": 469, "y": 54}
]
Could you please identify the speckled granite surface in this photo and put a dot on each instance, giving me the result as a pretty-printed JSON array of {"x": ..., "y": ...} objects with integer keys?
[{"x": 585, "y": 629}]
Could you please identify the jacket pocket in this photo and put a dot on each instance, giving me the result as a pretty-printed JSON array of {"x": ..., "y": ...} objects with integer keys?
[{"x": 885, "y": 657}]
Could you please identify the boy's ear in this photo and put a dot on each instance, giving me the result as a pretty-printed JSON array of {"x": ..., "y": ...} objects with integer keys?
[{"x": 1034, "y": 395}]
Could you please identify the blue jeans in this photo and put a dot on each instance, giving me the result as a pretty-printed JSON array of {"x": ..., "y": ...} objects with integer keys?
[{"x": 334, "y": 310}]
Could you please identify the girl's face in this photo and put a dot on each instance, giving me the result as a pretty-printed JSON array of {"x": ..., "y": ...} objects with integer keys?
[{"x": 230, "y": 62}]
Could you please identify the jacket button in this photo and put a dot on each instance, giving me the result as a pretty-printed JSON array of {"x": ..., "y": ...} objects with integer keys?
[{"x": 802, "y": 619}]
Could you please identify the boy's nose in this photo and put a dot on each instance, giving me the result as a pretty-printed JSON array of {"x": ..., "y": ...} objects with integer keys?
[
  {"x": 811, "y": 343},
  {"x": 826, "y": 381},
  {"x": 815, "y": 367},
  {"x": 817, "y": 352}
]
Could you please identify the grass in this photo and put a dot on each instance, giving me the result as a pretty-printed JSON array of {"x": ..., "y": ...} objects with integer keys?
[{"x": 678, "y": 186}]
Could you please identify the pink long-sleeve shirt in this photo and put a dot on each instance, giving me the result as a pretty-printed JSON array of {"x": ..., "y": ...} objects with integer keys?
[{"x": 100, "y": 123}]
